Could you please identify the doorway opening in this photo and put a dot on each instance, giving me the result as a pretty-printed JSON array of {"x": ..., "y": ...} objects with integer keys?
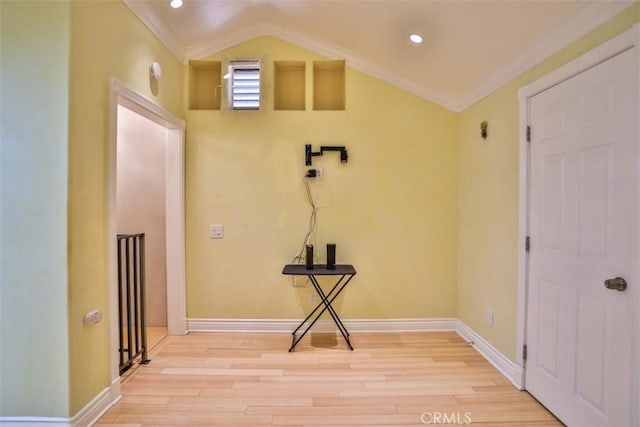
[
  {"x": 146, "y": 194},
  {"x": 141, "y": 209}
]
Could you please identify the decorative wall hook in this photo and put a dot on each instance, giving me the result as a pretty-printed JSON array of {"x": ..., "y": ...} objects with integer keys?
[{"x": 483, "y": 129}]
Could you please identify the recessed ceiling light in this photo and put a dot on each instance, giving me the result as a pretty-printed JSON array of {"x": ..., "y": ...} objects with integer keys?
[
  {"x": 415, "y": 38},
  {"x": 176, "y": 4}
]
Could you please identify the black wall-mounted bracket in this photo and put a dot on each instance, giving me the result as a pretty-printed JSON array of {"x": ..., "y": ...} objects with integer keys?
[{"x": 308, "y": 153}]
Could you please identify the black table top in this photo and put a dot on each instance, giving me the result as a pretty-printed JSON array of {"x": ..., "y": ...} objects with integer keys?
[{"x": 318, "y": 270}]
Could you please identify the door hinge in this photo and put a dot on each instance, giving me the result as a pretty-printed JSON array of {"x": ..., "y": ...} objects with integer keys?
[
  {"x": 528, "y": 133},
  {"x": 524, "y": 352},
  {"x": 527, "y": 244}
]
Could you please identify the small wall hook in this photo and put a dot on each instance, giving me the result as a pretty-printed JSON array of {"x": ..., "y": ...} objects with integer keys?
[{"x": 483, "y": 129}]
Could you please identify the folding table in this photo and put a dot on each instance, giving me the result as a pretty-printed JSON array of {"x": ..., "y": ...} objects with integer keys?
[{"x": 345, "y": 273}]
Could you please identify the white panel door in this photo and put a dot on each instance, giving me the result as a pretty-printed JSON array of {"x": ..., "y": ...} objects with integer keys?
[{"x": 582, "y": 227}]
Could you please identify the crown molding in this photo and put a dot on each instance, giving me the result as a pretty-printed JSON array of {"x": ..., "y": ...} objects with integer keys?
[
  {"x": 217, "y": 44},
  {"x": 202, "y": 50},
  {"x": 152, "y": 21},
  {"x": 358, "y": 63},
  {"x": 568, "y": 31}
]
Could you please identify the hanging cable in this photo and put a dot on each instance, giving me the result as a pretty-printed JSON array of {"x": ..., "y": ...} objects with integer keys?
[{"x": 299, "y": 259}]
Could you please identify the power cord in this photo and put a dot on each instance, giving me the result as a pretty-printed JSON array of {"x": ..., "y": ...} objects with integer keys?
[{"x": 299, "y": 259}]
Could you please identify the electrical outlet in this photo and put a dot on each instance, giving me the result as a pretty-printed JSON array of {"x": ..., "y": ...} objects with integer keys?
[
  {"x": 313, "y": 298},
  {"x": 216, "y": 231},
  {"x": 319, "y": 173},
  {"x": 490, "y": 317}
]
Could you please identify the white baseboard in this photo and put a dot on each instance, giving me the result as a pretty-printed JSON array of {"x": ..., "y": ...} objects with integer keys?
[
  {"x": 87, "y": 416},
  {"x": 288, "y": 325},
  {"x": 34, "y": 422},
  {"x": 508, "y": 368},
  {"x": 93, "y": 410},
  {"x": 242, "y": 325},
  {"x": 400, "y": 325}
]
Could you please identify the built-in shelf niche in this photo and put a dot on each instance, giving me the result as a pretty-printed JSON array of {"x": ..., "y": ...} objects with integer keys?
[
  {"x": 289, "y": 85},
  {"x": 328, "y": 85},
  {"x": 205, "y": 85}
]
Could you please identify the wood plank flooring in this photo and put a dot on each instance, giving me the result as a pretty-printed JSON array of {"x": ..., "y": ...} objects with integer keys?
[
  {"x": 391, "y": 379},
  {"x": 155, "y": 335}
]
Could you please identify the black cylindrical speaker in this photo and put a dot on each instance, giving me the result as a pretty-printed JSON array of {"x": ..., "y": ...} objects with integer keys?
[
  {"x": 331, "y": 256},
  {"x": 309, "y": 257}
]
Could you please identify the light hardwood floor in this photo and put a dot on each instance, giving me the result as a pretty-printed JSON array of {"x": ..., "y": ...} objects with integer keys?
[
  {"x": 392, "y": 379},
  {"x": 155, "y": 335}
]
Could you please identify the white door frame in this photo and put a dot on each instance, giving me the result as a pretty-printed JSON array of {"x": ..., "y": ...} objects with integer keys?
[
  {"x": 174, "y": 195},
  {"x": 609, "y": 49}
]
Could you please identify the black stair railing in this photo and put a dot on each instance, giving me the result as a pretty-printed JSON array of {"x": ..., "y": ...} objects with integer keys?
[{"x": 131, "y": 300}]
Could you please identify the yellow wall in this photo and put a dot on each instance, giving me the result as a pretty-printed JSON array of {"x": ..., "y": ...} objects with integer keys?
[
  {"x": 391, "y": 209},
  {"x": 106, "y": 40},
  {"x": 488, "y": 196},
  {"x": 424, "y": 209},
  {"x": 34, "y": 369}
]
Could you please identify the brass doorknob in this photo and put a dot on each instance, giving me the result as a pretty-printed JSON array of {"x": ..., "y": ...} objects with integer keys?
[{"x": 617, "y": 284}]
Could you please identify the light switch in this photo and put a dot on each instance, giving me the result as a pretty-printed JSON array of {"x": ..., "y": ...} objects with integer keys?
[{"x": 216, "y": 231}]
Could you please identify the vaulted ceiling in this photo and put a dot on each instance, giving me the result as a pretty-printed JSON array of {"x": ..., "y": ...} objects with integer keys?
[{"x": 470, "y": 47}]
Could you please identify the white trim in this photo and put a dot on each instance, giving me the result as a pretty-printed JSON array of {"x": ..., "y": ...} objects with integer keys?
[
  {"x": 242, "y": 325},
  {"x": 594, "y": 57},
  {"x": 156, "y": 25},
  {"x": 158, "y": 114},
  {"x": 523, "y": 231},
  {"x": 306, "y": 41},
  {"x": 87, "y": 416},
  {"x": 618, "y": 44},
  {"x": 176, "y": 300},
  {"x": 634, "y": 417},
  {"x": 108, "y": 397},
  {"x": 34, "y": 422},
  {"x": 401, "y": 325},
  {"x": 112, "y": 228},
  {"x": 93, "y": 410},
  {"x": 588, "y": 18},
  {"x": 288, "y": 325},
  {"x": 175, "y": 233},
  {"x": 566, "y": 32},
  {"x": 509, "y": 369},
  {"x": 209, "y": 47}
]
